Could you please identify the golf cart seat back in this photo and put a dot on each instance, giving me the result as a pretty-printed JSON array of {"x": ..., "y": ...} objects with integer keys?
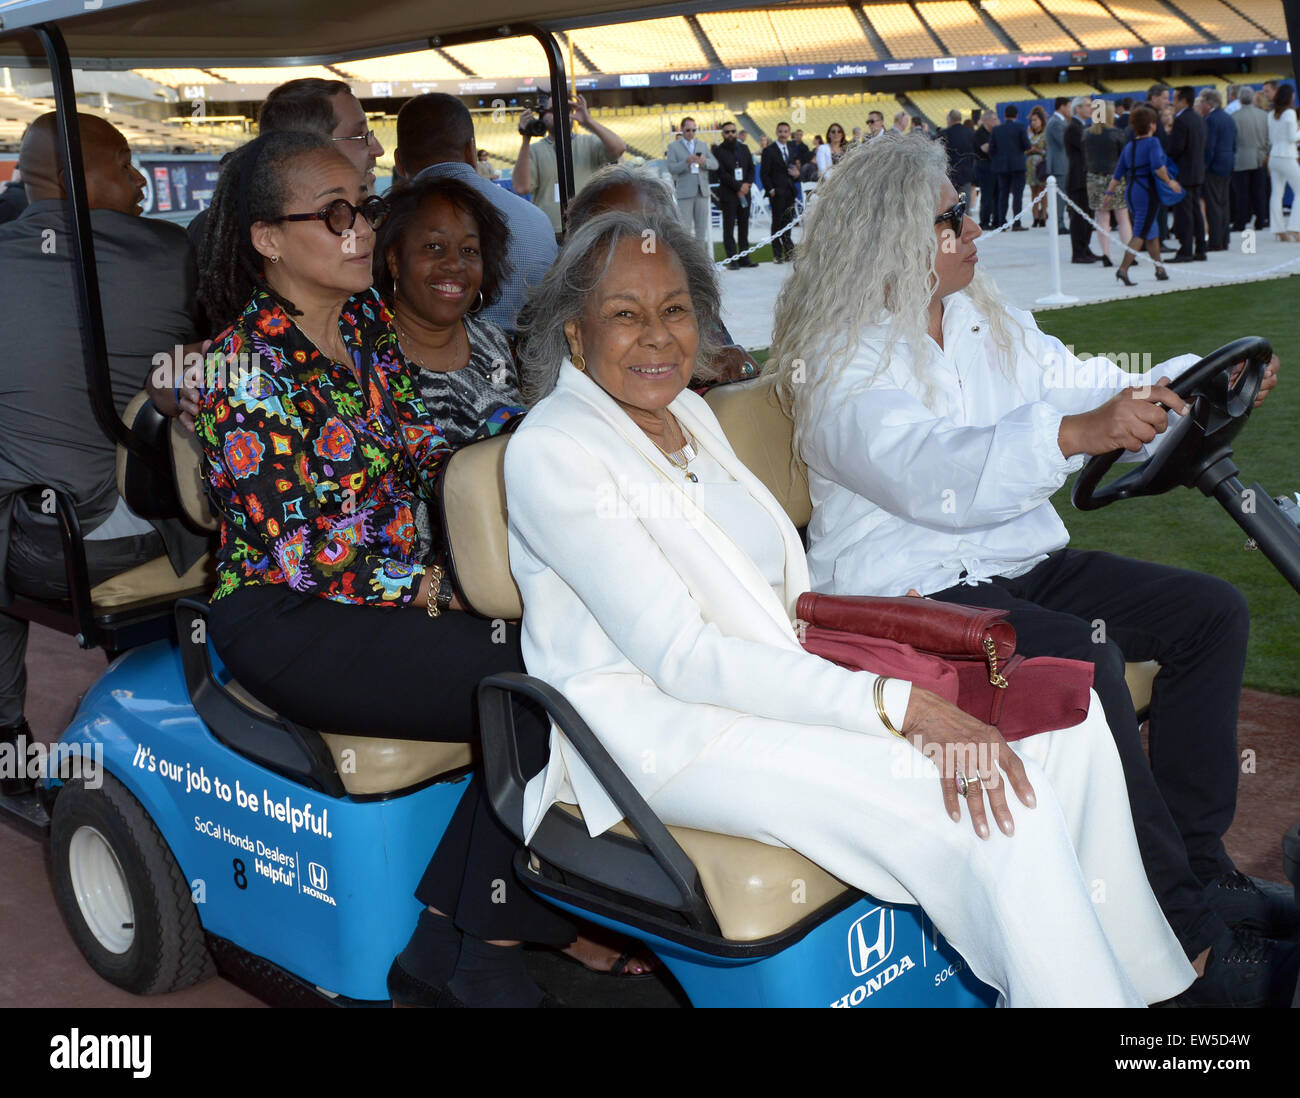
[
  {"x": 749, "y": 885},
  {"x": 763, "y": 437},
  {"x": 366, "y": 765}
]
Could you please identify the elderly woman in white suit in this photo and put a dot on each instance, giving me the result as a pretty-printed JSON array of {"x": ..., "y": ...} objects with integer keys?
[{"x": 659, "y": 577}]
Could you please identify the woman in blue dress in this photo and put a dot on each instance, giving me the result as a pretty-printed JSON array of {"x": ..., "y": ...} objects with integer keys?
[{"x": 1142, "y": 161}]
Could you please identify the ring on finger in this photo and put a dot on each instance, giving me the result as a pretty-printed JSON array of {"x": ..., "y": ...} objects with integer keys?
[{"x": 963, "y": 784}]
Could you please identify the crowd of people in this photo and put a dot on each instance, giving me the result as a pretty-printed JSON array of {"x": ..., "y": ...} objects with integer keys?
[
  {"x": 391, "y": 331},
  {"x": 1221, "y": 168}
]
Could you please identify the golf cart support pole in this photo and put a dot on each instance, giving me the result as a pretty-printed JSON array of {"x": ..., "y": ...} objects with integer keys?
[
  {"x": 1255, "y": 512},
  {"x": 559, "y": 95},
  {"x": 90, "y": 313}
]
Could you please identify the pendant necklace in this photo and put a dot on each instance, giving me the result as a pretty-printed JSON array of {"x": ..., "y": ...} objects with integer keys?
[{"x": 682, "y": 458}]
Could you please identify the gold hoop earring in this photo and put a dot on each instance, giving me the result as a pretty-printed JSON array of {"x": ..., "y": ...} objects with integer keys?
[{"x": 578, "y": 360}]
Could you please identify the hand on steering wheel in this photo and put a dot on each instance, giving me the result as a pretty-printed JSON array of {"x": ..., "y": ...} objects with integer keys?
[
  {"x": 1128, "y": 421},
  {"x": 1217, "y": 394},
  {"x": 971, "y": 757},
  {"x": 1267, "y": 383}
]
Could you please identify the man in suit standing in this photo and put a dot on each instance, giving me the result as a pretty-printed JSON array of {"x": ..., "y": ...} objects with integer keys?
[
  {"x": 735, "y": 177},
  {"x": 1187, "y": 150},
  {"x": 1007, "y": 147},
  {"x": 1058, "y": 163},
  {"x": 1220, "y": 157},
  {"x": 960, "y": 142},
  {"x": 779, "y": 168},
  {"x": 1123, "y": 109},
  {"x": 689, "y": 162},
  {"x": 981, "y": 136},
  {"x": 1076, "y": 179},
  {"x": 1249, "y": 174}
]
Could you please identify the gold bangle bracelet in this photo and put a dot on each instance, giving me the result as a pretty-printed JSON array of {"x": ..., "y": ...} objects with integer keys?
[
  {"x": 435, "y": 585},
  {"x": 878, "y": 695}
]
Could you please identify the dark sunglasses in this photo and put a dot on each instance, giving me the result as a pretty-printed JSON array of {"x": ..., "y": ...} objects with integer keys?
[
  {"x": 340, "y": 215},
  {"x": 955, "y": 216}
]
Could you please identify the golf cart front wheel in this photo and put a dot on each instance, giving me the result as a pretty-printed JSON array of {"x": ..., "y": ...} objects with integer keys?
[{"x": 121, "y": 893}]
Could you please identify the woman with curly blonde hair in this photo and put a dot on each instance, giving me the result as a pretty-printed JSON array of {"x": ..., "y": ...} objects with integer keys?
[{"x": 936, "y": 422}]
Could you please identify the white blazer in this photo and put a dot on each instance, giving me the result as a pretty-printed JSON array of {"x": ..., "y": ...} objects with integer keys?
[{"x": 652, "y": 622}]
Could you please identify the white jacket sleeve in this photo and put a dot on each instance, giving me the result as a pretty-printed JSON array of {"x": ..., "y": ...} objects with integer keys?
[
  {"x": 884, "y": 444},
  {"x": 1074, "y": 385},
  {"x": 566, "y": 506}
]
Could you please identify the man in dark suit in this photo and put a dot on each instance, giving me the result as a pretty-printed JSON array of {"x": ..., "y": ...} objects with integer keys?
[
  {"x": 735, "y": 179},
  {"x": 960, "y": 142},
  {"x": 779, "y": 168},
  {"x": 1007, "y": 147},
  {"x": 1187, "y": 150},
  {"x": 1076, "y": 180},
  {"x": 1124, "y": 109},
  {"x": 984, "y": 169},
  {"x": 1220, "y": 156}
]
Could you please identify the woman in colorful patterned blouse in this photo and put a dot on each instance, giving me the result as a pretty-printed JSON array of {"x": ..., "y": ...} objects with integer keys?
[
  {"x": 317, "y": 447},
  {"x": 439, "y": 259}
]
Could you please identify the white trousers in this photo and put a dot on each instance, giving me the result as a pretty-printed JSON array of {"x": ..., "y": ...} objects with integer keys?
[
  {"x": 1281, "y": 172},
  {"x": 695, "y": 215},
  {"x": 1059, "y": 914}
]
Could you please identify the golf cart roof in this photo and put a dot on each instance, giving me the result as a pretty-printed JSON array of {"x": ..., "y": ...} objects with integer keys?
[{"x": 119, "y": 34}]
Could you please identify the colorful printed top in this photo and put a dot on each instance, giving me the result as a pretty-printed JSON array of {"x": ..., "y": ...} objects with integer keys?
[{"x": 304, "y": 463}]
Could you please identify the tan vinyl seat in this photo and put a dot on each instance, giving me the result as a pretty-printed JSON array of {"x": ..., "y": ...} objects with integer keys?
[
  {"x": 155, "y": 580},
  {"x": 367, "y": 765},
  {"x": 763, "y": 437}
]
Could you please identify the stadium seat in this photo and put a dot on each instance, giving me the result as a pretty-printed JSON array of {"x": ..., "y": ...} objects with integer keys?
[{"x": 959, "y": 27}]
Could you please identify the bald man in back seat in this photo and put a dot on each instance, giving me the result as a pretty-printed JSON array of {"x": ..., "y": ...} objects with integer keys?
[{"x": 48, "y": 433}]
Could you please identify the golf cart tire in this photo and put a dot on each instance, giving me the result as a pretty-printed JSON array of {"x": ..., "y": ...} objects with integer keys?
[{"x": 167, "y": 950}]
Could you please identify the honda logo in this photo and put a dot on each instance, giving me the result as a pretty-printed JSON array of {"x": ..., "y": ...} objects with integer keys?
[
  {"x": 871, "y": 940},
  {"x": 320, "y": 879}
]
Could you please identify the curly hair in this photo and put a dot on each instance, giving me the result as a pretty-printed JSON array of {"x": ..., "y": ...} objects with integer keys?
[
  {"x": 406, "y": 200},
  {"x": 254, "y": 186},
  {"x": 881, "y": 200},
  {"x": 562, "y": 294}
]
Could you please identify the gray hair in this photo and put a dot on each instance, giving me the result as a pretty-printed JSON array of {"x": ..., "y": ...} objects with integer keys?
[
  {"x": 1080, "y": 101},
  {"x": 954, "y": 117},
  {"x": 1212, "y": 98},
  {"x": 563, "y": 293},
  {"x": 652, "y": 187},
  {"x": 1245, "y": 95}
]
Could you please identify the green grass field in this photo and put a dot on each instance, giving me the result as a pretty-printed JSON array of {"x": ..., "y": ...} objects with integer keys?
[{"x": 1183, "y": 527}]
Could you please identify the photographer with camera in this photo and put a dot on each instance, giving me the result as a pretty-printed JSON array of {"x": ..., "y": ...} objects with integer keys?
[{"x": 535, "y": 172}]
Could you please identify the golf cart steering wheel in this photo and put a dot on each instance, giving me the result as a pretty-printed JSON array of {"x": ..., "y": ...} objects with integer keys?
[{"x": 1199, "y": 438}]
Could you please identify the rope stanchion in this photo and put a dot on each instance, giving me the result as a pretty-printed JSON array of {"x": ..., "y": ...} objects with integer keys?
[
  {"x": 1057, "y": 296},
  {"x": 723, "y": 264},
  {"x": 1087, "y": 216}
]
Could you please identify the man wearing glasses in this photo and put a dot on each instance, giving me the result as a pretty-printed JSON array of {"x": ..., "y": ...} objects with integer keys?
[
  {"x": 735, "y": 177},
  {"x": 327, "y": 107}
]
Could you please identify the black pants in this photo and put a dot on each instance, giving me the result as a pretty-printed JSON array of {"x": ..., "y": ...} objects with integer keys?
[
  {"x": 1216, "y": 209},
  {"x": 1106, "y": 609},
  {"x": 1011, "y": 189},
  {"x": 1080, "y": 229},
  {"x": 1250, "y": 198},
  {"x": 36, "y": 568},
  {"x": 1189, "y": 222},
  {"x": 734, "y": 216},
  {"x": 394, "y": 672},
  {"x": 984, "y": 180},
  {"x": 782, "y": 213}
]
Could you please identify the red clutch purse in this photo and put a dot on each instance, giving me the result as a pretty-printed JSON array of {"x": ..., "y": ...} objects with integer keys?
[
  {"x": 964, "y": 654},
  {"x": 944, "y": 629}
]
